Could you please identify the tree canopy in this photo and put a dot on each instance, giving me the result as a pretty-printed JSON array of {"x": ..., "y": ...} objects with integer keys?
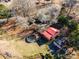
[{"x": 2, "y": 7}]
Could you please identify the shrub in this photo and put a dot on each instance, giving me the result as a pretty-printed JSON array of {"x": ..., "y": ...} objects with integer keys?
[
  {"x": 72, "y": 25},
  {"x": 4, "y": 12},
  {"x": 63, "y": 20},
  {"x": 74, "y": 35},
  {"x": 2, "y": 7}
]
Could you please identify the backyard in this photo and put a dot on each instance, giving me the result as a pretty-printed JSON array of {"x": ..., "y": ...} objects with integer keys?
[{"x": 39, "y": 29}]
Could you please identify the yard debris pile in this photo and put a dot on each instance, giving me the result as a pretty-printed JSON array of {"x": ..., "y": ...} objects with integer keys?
[{"x": 16, "y": 25}]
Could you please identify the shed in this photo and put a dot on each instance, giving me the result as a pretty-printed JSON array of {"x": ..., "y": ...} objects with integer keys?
[{"x": 50, "y": 33}]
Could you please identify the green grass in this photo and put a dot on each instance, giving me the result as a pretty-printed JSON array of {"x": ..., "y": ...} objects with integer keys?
[
  {"x": 2, "y": 7},
  {"x": 27, "y": 50}
]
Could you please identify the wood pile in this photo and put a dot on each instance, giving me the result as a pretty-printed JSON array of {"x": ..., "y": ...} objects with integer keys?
[
  {"x": 9, "y": 24},
  {"x": 28, "y": 31},
  {"x": 12, "y": 29}
]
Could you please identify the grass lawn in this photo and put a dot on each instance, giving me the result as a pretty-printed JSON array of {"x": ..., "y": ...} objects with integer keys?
[{"x": 25, "y": 49}]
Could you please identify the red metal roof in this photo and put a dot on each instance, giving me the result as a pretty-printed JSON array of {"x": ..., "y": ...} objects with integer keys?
[
  {"x": 50, "y": 33},
  {"x": 47, "y": 35}
]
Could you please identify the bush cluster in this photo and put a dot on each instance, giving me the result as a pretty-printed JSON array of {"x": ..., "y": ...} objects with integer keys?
[{"x": 4, "y": 12}]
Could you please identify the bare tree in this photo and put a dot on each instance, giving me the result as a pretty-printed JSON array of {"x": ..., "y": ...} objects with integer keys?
[
  {"x": 24, "y": 7},
  {"x": 71, "y": 4}
]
